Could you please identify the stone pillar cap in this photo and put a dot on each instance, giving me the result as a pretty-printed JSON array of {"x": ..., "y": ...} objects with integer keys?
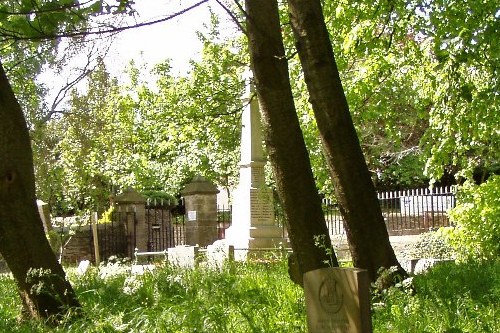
[{"x": 199, "y": 185}]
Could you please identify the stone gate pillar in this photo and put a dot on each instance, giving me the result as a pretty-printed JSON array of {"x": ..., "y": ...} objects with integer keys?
[
  {"x": 200, "y": 199},
  {"x": 137, "y": 230}
]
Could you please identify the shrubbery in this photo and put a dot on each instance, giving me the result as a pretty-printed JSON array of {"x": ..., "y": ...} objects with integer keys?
[
  {"x": 431, "y": 244},
  {"x": 477, "y": 220}
]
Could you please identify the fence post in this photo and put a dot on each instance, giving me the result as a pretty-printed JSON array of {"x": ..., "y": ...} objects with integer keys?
[{"x": 96, "y": 239}]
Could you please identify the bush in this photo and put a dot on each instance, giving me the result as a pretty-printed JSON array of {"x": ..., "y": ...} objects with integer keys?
[
  {"x": 157, "y": 197},
  {"x": 431, "y": 244},
  {"x": 477, "y": 220}
]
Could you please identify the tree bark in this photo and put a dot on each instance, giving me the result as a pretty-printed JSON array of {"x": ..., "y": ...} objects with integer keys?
[
  {"x": 284, "y": 140},
  {"x": 355, "y": 192},
  {"x": 42, "y": 284}
]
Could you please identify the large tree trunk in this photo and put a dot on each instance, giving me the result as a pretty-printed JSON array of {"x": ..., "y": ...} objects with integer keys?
[
  {"x": 43, "y": 287},
  {"x": 284, "y": 141},
  {"x": 355, "y": 192}
]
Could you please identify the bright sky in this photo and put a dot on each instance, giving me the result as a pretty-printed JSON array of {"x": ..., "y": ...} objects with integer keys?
[{"x": 175, "y": 39}]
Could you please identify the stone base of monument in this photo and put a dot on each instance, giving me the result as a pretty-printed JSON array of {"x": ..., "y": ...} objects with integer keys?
[
  {"x": 267, "y": 243},
  {"x": 337, "y": 300},
  {"x": 255, "y": 240}
]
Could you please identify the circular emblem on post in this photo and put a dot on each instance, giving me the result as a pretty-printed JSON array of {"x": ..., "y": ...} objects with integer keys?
[{"x": 330, "y": 295}]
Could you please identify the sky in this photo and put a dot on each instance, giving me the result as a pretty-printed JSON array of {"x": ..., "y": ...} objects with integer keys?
[{"x": 175, "y": 39}]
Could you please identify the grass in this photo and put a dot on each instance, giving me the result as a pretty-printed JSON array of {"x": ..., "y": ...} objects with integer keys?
[
  {"x": 259, "y": 297},
  {"x": 251, "y": 297},
  {"x": 450, "y": 298}
]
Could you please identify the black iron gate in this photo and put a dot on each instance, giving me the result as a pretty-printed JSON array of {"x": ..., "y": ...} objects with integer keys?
[
  {"x": 159, "y": 223},
  {"x": 127, "y": 229},
  {"x": 116, "y": 236}
]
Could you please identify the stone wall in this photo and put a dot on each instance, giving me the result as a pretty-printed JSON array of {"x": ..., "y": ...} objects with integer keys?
[{"x": 81, "y": 246}]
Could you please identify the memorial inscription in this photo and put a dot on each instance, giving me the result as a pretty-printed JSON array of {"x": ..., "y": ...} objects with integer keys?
[
  {"x": 261, "y": 207},
  {"x": 337, "y": 300}
]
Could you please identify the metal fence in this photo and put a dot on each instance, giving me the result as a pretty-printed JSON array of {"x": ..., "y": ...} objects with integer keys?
[
  {"x": 117, "y": 236},
  {"x": 162, "y": 232},
  {"x": 410, "y": 211},
  {"x": 417, "y": 209},
  {"x": 405, "y": 212},
  {"x": 224, "y": 214}
]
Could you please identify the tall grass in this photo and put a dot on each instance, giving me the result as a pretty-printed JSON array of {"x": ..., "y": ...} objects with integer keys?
[
  {"x": 241, "y": 297},
  {"x": 450, "y": 298},
  {"x": 259, "y": 297}
]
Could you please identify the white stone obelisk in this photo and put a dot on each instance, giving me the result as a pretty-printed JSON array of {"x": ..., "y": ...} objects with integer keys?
[{"x": 253, "y": 224}]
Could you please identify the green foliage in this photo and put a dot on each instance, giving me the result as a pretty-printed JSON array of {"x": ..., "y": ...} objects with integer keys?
[
  {"x": 448, "y": 298},
  {"x": 387, "y": 278},
  {"x": 420, "y": 78},
  {"x": 107, "y": 215},
  {"x": 153, "y": 134},
  {"x": 28, "y": 45},
  {"x": 379, "y": 64},
  {"x": 464, "y": 83},
  {"x": 49, "y": 19},
  {"x": 160, "y": 197},
  {"x": 41, "y": 281},
  {"x": 421, "y": 82},
  {"x": 192, "y": 123},
  {"x": 259, "y": 297},
  {"x": 241, "y": 297},
  {"x": 477, "y": 220},
  {"x": 320, "y": 242},
  {"x": 430, "y": 245},
  {"x": 402, "y": 171}
]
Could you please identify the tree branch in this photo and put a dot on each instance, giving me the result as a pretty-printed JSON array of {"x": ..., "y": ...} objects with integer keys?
[
  {"x": 13, "y": 35},
  {"x": 42, "y": 11},
  {"x": 231, "y": 14}
]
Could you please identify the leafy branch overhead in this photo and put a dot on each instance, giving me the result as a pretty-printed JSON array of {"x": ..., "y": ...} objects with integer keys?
[{"x": 55, "y": 19}]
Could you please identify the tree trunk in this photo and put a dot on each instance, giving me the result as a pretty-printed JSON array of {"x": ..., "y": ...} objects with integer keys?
[
  {"x": 43, "y": 287},
  {"x": 284, "y": 140},
  {"x": 355, "y": 192}
]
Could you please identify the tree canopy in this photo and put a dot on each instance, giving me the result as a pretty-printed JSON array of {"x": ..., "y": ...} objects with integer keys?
[
  {"x": 422, "y": 88},
  {"x": 421, "y": 81}
]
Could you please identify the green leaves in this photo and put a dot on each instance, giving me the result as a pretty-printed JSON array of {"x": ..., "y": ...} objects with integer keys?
[
  {"x": 477, "y": 216},
  {"x": 421, "y": 75},
  {"x": 152, "y": 135},
  {"x": 381, "y": 68},
  {"x": 421, "y": 81}
]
